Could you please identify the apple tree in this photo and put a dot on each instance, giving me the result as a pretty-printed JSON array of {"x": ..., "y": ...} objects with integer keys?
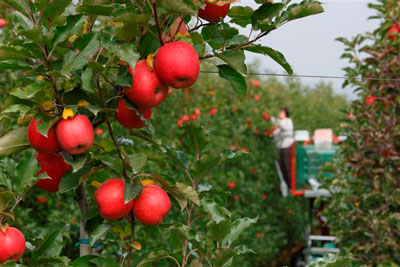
[
  {"x": 364, "y": 213},
  {"x": 80, "y": 83}
]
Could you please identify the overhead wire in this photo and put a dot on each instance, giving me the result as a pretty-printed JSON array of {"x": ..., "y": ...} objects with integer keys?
[{"x": 310, "y": 76}]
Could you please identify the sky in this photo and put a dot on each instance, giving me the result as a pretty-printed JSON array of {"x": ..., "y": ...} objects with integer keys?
[{"x": 309, "y": 43}]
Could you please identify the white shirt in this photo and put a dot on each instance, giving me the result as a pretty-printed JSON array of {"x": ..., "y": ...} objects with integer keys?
[{"x": 283, "y": 136}]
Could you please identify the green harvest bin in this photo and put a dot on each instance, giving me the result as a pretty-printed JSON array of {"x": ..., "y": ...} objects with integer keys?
[{"x": 309, "y": 162}]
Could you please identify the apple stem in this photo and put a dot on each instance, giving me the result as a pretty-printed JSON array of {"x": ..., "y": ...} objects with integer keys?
[
  {"x": 84, "y": 208},
  {"x": 160, "y": 39}
]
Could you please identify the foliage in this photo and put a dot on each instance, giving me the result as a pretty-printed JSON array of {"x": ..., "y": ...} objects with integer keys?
[
  {"x": 364, "y": 213},
  {"x": 59, "y": 54}
]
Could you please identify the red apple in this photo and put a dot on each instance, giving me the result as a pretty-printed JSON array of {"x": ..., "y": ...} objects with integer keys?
[
  {"x": 12, "y": 244},
  {"x": 152, "y": 205},
  {"x": 266, "y": 116},
  {"x": 256, "y": 132},
  {"x": 177, "y": 64},
  {"x": 253, "y": 171},
  {"x": 2, "y": 23},
  {"x": 110, "y": 199},
  {"x": 393, "y": 32},
  {"x": 258, "y": 235},
  {"x": 75, "y": 135},
  {"x": 231, "y": 185},
  {"x": 264, "y": 196},
  {"x": 370, "y": 100},
  {"x": 213, "y": 13},
  {"x": 99, "y": 131},
  {"x": 147, "y": 90},
  {"x": 213, "y": 112},
  {"x": 55, "y": 167},
  {"x": 41, "y": 200},
  {"x": 255, "y": 83},
  {"x": 49, "y": 144},
  {"x": 128, "y": 117},
  {"x": 197, "y": 111},
  {"x": 236, "y": 197},
  {"x": 249, "y": 123},
  {"x": 256, "y": 97},
  {"x": 179, "y": 123}
]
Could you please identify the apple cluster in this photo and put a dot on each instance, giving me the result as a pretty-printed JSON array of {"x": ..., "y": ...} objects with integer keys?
[
  {"x": 74, "y": 135},
  {"x": 393, "y": 32},
  {"x": 151, "y": 81}
]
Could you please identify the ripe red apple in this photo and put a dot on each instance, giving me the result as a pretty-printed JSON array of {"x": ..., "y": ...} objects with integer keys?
[
  {"x": 147, "y": 90},
  {"x": 255, "y": 83},
  {"x": 49, "y": 144},
  {"x": 256, "y": 132},
  {"x": 266, "y": 116},
  {"x": 370, "y": 100},
  {"x": 41, "y": 200},
  {"x": 2, "y": 23},
  {"x": 197, "y": 111},
  {"x": 213, "y": 13},
  {"x": 213, "y": 112},
  {"x": 55, "y": 167},
  {"x": 249, "y": 123},
  {"x": 236, "y": 197},
  {"x": 253, "y": 171},
  {"x": 128, "y": 117},
  {"x": 393, "y": 32},
  {"x": 152, "y": 205},
  {"x": 75, "y": 135},
  {"x": 12, "y": 244},
  {"x": 264, "y": 196},
  {"x": 231, "y": 185},
  {"x": 256, "y": 97},
  {"x": 99, "y": 131},
  {"x": 110, "y": 199},
  {"x": 177, "y": 64}
]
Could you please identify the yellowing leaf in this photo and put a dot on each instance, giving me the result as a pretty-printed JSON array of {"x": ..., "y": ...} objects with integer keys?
[
  {"x": 147, "y": 182},
  {"x": 83, "y": 103},
  {"x": 47, "y": 105},
  {"x": 150, "y": 61},
  {"x": 72, "y": 38},
  {"x": 40, "y": 78},
  {"x": 116, "y": 24},
  {"x": 96, "y": 184},
  {"x": 68, "y": 113},
  {"x": 136, "y": 245}
]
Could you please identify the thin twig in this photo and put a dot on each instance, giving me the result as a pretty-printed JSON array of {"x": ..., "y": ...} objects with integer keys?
[
  {"x": 154, "y": 3},
  {"x": 109, "y": 126}
]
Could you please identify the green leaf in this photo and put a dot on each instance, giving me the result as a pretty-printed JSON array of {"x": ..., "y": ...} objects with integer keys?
[
  {"x": 77, "y": 162},
  {"x": 262, "y": 18},
  {"x": 53, "y": 9},
  {"x": 235, "y": 59},
  {"x": 105, "y": 262},
  {"x": 125, "y": 52},
  {"x": 131, "y": 192},
  {"x": 34, "y": 34},
  {"x": 29, "y": 91},
  {"x": 111, "y": 161},
  {"x": 17, "y": 53},
  {"x": 25, "y": 172},
  {"x": 21, "y": 109},
  {"x": 234, "y": 78},
  {"x": 82, "y": 261},
  {"x": 297, "y": 11},
  {"x": 223, "y": 257},
  {"x": 14, "y": 65},
  {"x": 137, "y": 161},
  {"x": 197, "y": 138},
  {"x": 277, "y": 56},
  {"x": 154, "y": 256},
  {"x": 241, "y": 15},
  {"x": 102, "y": 10},
  {"x": 50, "y": 242},
  {"x": 73, "y": 26},
  {"x": 19, "y": 5},
  {"x": 238, "y": 226},
  {"x": 75, "y": 61},
  {"x": 87, "y": 76},
  {"x": 99, "y": 233},
  {"x": 72, "y": 180},
  {"x": 130, "y": 16},
  {"x": 14, "y": 141},
  {"x": 178, "y": 7},
  {"x": 217, "y": 213},
  {"x": 188, "y": 192}
]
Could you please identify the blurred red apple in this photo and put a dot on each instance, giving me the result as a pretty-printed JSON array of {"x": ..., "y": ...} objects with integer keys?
[
  {"x": 213, "y": 112},
  {"x": 231, "y": 185},
  {"x": 370, "y": 100},
  {"x": 2, "y": 23}
]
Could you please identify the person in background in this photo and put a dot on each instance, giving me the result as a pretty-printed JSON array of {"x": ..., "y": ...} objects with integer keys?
[{"x": 283, "y": 137}]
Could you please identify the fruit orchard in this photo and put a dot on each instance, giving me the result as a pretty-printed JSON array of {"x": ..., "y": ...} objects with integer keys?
[
  {"x": 133, "y": 133},
  {"x": 69, "y": 68}
]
